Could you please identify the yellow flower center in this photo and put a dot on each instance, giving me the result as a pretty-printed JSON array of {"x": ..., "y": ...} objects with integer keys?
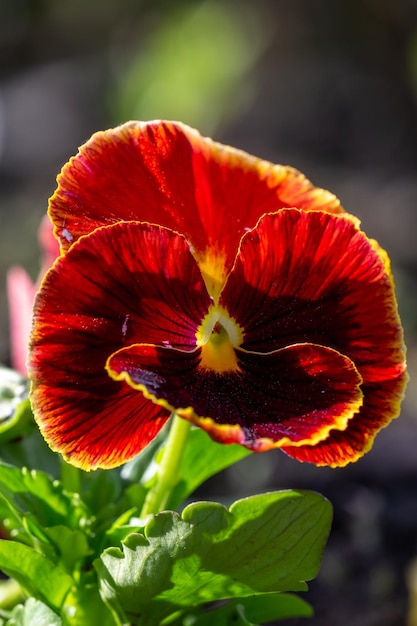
[{"x": 218, "y": 335}]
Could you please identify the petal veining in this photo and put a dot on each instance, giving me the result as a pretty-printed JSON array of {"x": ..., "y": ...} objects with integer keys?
[
  {"x": 197, "y": 278},
  {"x": 167, "y": 173},
  {"x": 381, "y": 403},
  {"x": 323, "y": 281},
  {"x": 292, "y": 396},
  {"x": 123, "y": 283},
  {"x": 311, "y": 277}
]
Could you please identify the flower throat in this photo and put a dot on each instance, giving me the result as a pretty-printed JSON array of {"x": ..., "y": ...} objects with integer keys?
[{"x": 217, "y": 336}]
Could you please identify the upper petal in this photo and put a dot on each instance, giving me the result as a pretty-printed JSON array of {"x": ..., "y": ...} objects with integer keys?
[
  {"x": 123, "y": 283},
  {"x": 166, "y": 173}
]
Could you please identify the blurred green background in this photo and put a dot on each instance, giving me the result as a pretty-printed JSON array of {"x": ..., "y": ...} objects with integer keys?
[{"x": 328, "y": 86}]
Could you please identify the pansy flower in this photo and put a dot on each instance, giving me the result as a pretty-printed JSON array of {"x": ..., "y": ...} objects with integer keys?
[{"x": 197, "y": 279}]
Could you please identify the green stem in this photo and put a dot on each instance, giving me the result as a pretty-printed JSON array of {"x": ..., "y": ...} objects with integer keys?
[{"x": 167, "y": 476}]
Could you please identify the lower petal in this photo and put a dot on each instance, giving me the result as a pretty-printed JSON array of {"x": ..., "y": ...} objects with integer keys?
[{"x": 293, "y": 396}]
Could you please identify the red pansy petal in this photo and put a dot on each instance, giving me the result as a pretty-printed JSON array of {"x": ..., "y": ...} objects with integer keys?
[
  {"x": 166, "y": 173},
  {"x": 323, "y": 281},
  {"x": 123, "y": 283},
  {"x": 292, "y": 396},
  {"x": 381, "y": 404},
  {"x": 99, "y": 424},
  {"x": 312, "y": 277}
]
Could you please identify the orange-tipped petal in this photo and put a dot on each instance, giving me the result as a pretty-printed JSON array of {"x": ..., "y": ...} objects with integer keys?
[
  {"x": 123, "y": 283},
  {"x": 167, "y": 173},
  {"x": 270, "y": 321},
  {"x": 381, "y": 404},
  {"x": 292, "y": 396},
  {"x": 323, "y": 281}
]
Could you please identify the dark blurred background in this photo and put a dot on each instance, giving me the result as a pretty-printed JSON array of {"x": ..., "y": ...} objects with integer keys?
[{"x": 328, "y": 86}]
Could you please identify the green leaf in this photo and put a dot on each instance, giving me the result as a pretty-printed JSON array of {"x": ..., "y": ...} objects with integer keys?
[
  {"x": 72, "y": 545},
  {"x": 16, "y": 416},
  {"x": 101, "y": 490},
  {"x": 249, "y": 611},
  {"x": 19, "y": 424},
  {"x": 36, "y": 497},
  {"x": 35, "y": 573},
  {"x": 41, "y": 513},
  {"x": 34, "y": 613},
  {"x": 265, "y": 543},
  {"x": 202, "y": 459},
  {"x": 84, "y": 606},
  {"x": 271, "y": 607},
  {"x": 31, "y": 451}
]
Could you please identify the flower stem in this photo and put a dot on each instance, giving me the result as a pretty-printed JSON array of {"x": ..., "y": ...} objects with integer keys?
[{"x": 167, "y": 476}]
